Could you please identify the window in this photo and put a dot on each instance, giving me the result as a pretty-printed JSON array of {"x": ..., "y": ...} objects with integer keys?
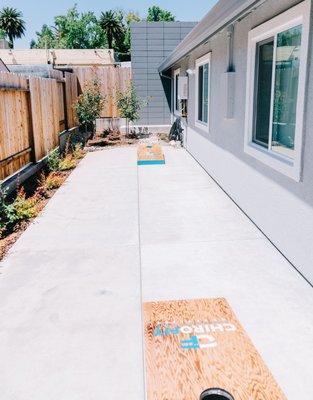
[
  {"x": 203, "y": 90},
  {"x": 277, "y": 55},
  {"x": 176, "y": 95}
]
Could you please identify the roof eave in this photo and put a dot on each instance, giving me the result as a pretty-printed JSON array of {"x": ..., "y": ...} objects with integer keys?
[{"x": 220, "y": 16}]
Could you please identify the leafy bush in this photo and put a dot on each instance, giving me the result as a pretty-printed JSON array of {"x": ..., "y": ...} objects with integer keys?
[
  {"x": 90, "y": 103},
  {"x": 67, "y": 163},
  {"x": 129, "y": 104},
  {"x": 7, "y": 212},
  {"x": 78, "y": 152},
  {"x": 54, "y": 160},
  {"x": 21, "y": 208},
  {"x": 53, "y": 181},
  {"x": 25, "y": 208},
  {"x": 56, "y": 163}
]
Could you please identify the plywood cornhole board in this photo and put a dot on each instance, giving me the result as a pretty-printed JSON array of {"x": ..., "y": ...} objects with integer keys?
[
  {"x": 194, "y": 345},
  {"x": 150, "y": 154}
]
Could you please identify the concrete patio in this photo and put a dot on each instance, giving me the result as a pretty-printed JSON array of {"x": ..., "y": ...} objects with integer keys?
[{"x": 115, "y": 235}]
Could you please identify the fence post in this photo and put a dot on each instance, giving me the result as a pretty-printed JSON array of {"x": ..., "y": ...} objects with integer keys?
[
  {"x": 30, "y": 124},
  {"x": 65, "y": 101}
]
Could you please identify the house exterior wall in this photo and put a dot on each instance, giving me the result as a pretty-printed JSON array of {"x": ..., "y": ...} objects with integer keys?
[
  {"x": 60, "y": 57},
  {"x": 279, "y": 205},
  {"x": 151, "y": 42}
]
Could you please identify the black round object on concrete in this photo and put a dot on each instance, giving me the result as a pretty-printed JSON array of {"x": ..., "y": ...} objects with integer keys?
[{"x": 216, "y": 394}]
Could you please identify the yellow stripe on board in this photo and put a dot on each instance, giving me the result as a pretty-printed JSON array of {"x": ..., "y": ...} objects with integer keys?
[{"x": 194, "y": 345}]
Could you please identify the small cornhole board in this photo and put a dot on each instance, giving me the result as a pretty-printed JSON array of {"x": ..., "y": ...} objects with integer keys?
[
  {"x": 195, "y": 345},
  {"x": 150, "y": 154}
]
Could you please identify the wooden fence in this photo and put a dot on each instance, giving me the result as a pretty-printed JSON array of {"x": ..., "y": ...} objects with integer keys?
[
  {"x": 112, "y": 79},
  {"x": 15, "y": 126},
  {"x": 33, "y": 111}
]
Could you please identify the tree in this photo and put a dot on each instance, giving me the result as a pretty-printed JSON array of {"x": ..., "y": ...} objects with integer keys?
[
  {"x": 129, "y": 105},
  {"x": 72, "y": 31},
  {"x": 112, "y": 26},
  {"x": 132, "y": 16},
  {"x": 12, "y": 24},
  {"x": 46, "y": 38},
  {"x": 156, "y": 13},
  {"x": 79, "y": 31},
  {"x": 129, "y": 18},
  {"x": 89, "y": 104},
  {"x": 121, "y": 43}
]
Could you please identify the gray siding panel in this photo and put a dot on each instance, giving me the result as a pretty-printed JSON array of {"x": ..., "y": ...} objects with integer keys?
[{"x": 150, "y": 44}]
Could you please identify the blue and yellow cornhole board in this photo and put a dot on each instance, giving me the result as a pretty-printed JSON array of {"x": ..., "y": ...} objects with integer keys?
[{"x": 150, "y": 154}]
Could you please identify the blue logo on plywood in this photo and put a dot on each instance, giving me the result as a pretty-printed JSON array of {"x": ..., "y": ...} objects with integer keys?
[
  {"x": 201, "y": 336},
  {"x": 192, "y": 343}
]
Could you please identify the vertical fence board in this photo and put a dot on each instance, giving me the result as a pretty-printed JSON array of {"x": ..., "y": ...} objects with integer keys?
[
  {"x": 33, "y": 110},
  {"x": 71, "y": 93},
  {"x": 61, "y": 105},
  {"x": 112, "y": 79},
  {"x": 14, "y": 126}
]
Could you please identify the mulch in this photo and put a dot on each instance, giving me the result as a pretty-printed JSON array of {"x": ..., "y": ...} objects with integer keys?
[{"x": 30, "y": 186}]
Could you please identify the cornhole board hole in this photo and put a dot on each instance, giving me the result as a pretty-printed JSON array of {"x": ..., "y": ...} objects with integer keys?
[
  {"x": 195, "y": 345},
  {"x": 150, "y": 154}
]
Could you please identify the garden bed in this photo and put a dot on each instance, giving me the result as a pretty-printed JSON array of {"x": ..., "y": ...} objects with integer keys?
[
  {"x": 111, "y": 138},
  {"x": 21, "y": 207}
]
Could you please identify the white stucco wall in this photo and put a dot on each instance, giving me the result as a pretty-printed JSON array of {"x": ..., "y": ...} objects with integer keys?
[
  {"x": 279, "y": 205},
  {"x": 282, "y": 216}
]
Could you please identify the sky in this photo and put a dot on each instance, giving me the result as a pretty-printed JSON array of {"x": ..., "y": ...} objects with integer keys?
[{"x": 38, "y": 12}]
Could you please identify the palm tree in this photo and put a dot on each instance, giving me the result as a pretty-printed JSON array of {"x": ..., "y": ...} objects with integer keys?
[
  {"x": 111, "y": 25},
  {"x": 12, "y": 24}
]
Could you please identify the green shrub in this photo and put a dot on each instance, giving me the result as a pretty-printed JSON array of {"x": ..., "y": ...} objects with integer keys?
[
  {"x": 54, "y": 160},
  {"x": 50, "y": 182},
  {"x": 67, "y": 163},
  {"x": 25, "y": 208},
  {"x": 7, "y": 213},
  {"x": 78, "y": 152}
]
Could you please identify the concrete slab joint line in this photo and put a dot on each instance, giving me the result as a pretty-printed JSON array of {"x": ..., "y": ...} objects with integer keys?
[{"x": 72, "y": 286}]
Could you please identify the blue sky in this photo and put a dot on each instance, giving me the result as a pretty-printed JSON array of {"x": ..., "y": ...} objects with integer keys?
[{"x": 38, "y": 12}]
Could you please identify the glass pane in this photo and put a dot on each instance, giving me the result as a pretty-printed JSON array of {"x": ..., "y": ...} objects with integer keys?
[
  {"x": 264, "y": 70},
  {"x": 176, "y": 93},
  {"x": 200, "y": 93},
  {"x": 205, "y": 92},
  {"x": 286, "y": 90}
]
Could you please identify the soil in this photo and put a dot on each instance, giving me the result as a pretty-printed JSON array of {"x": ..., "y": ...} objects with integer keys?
[
  {"x": 113, "y": 138},
  {"x": 30, "y": 186}
]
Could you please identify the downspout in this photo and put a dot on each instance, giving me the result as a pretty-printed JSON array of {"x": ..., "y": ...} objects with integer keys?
[
  {"x": 230, "y": 39},
  {"x": 171, "y": 79},
  {"x": 230, "y": 77}
]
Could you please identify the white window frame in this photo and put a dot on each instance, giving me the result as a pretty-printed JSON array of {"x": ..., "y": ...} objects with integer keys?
[
  {"x": 175, "y": 74},
  {"x": 297, "y": 15},
  {"x": 206, "y": 59}
]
